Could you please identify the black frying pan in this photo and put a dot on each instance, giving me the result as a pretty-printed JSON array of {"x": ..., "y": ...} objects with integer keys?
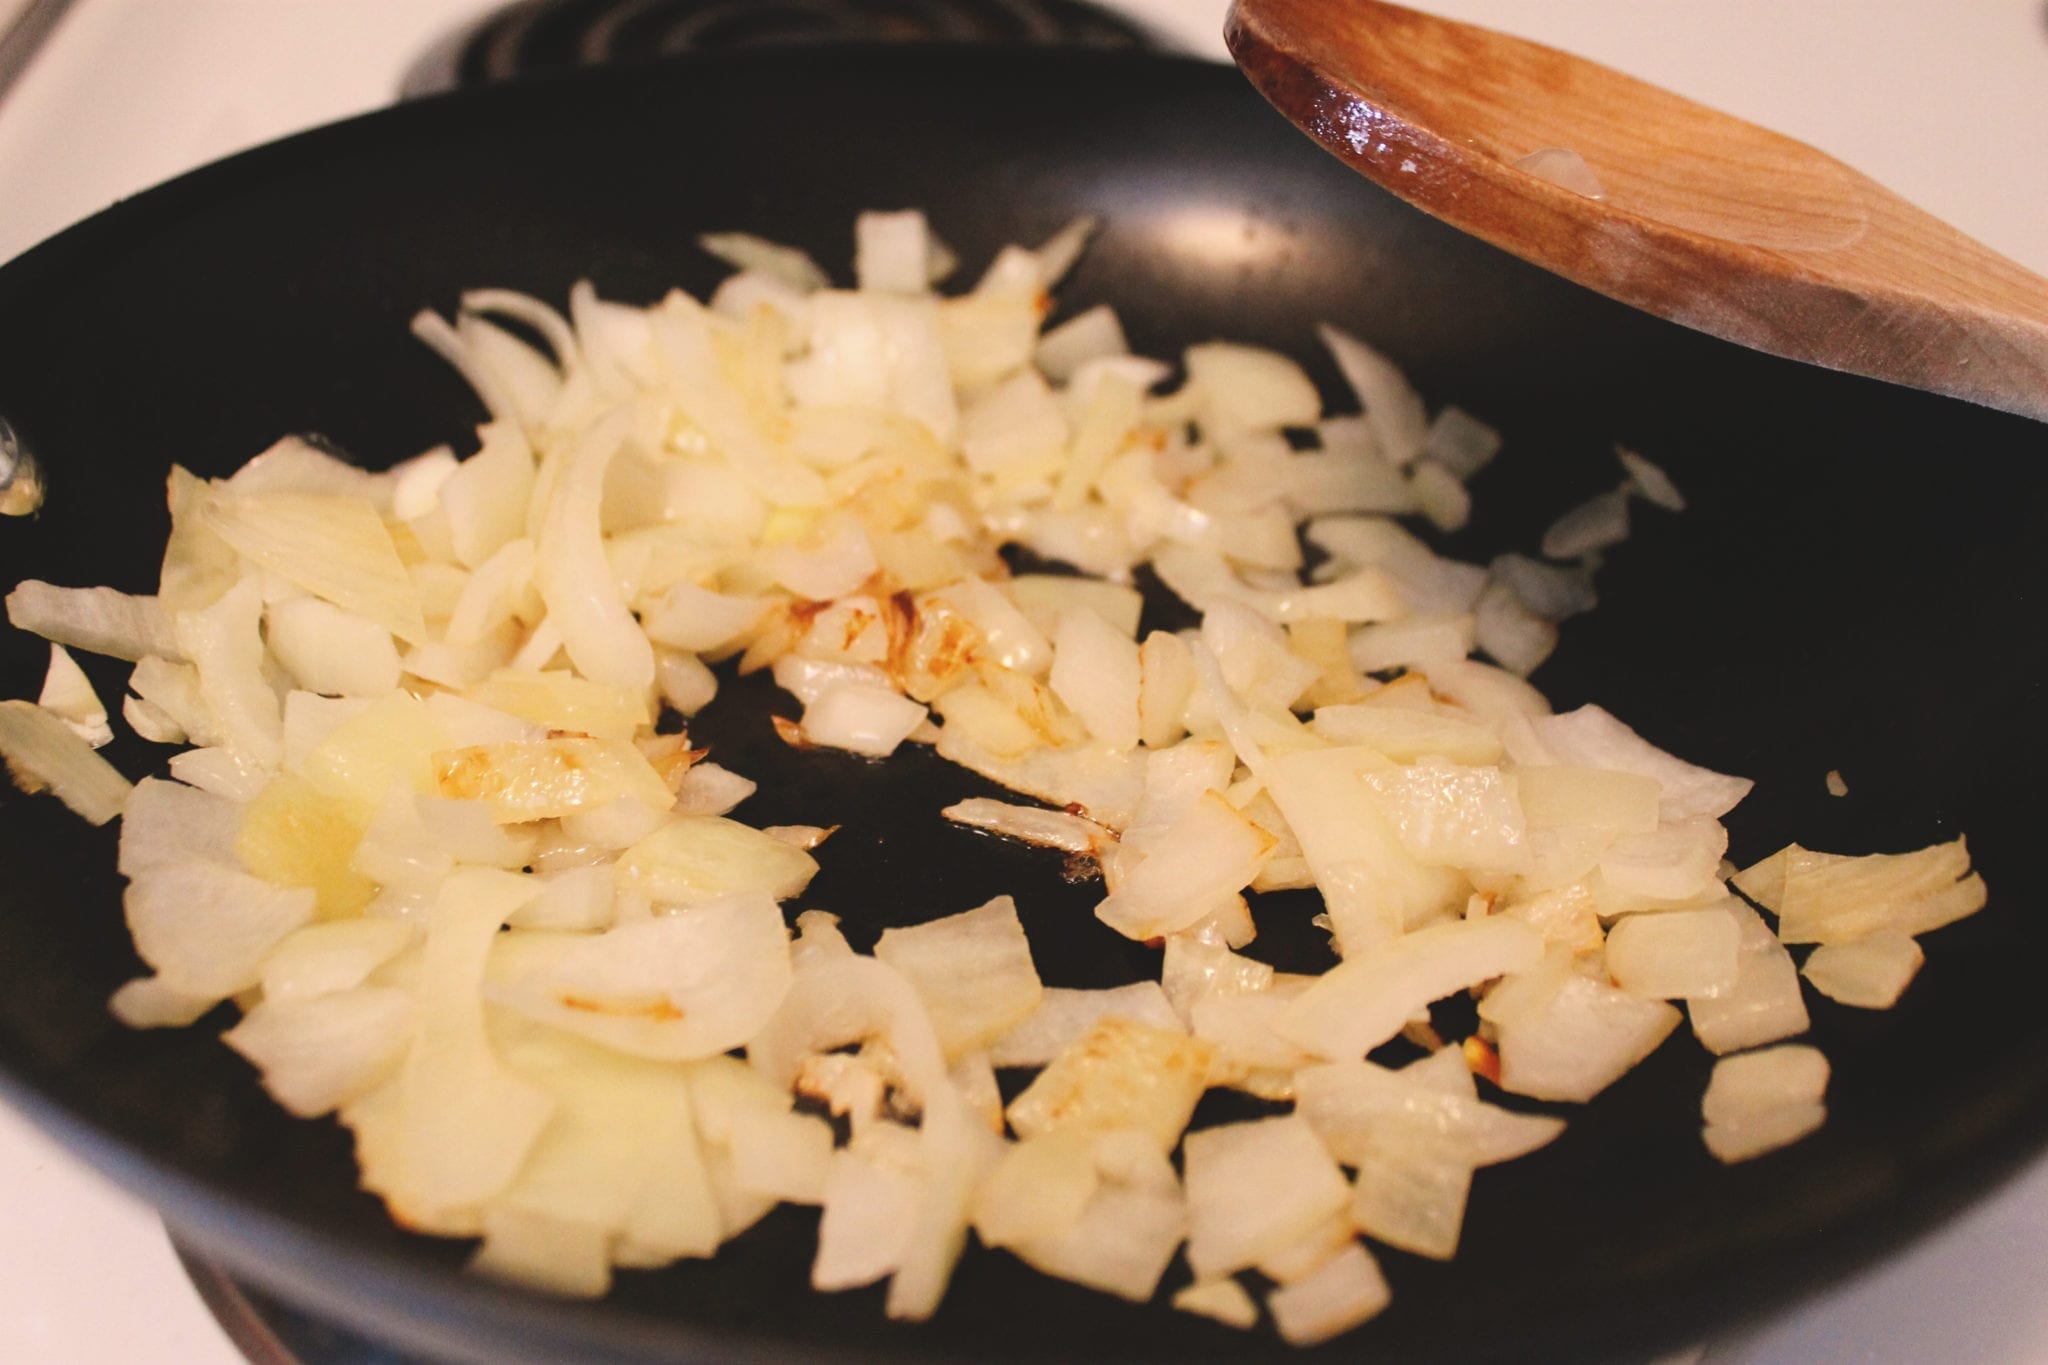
[{"x": 1856, "y": 587}]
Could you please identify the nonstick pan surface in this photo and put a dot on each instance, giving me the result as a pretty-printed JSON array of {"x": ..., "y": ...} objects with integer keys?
[{"x": 1857, "y": 585}]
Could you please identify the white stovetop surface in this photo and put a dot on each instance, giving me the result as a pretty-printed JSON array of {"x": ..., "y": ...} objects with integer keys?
[{"x": 1945, "y": 101}]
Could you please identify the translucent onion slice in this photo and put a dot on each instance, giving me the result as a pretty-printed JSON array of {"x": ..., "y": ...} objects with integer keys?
[
  {"x": 43, "y": 753},
  {"x": 1345, "y": 1293},
  {"x": 1764, "y": 1005},
  {"x": 973, "y": 970},
  {"x": 1577, "y": 1038},
  {"x": 1367, "y": 999},
  {"x": 1065, "y": 1014},
  {"x": 678, "y": 986},
  {"x": 1120, "y": 1074},
  {"x": 1254, "y": 1188},
  {"x": 96, "y": 620},
  {"x": 1871, "y": 973}
]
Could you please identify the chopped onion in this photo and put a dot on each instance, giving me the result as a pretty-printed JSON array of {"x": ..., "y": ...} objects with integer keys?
[
  {"x": 96, "y": 620},
  {"x": 1871, "y": 973},
  {"x": 1253, "y": 1188},
  {"x": 43, "y": 753}
]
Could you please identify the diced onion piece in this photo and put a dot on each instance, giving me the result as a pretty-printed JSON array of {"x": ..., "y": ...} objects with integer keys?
[
  {"x": 1421, "y": 642},
  {"x": 1208, "y": 856},
  {"x": 1578, "y": 1038},
  {"x": 1096, "y": 672},
  {"x": 1562, "y": 795},
  {"x": 709, "y": 789},
  {"x": 548, "y": 778},
  {"x": 1371, "y": 887},
  {"x": 1040, "y": 1188},
  {"x": 745, "y": 251},
  {"x": 331, "y": 651},
  {"x": 206, "y": 927},
  {"x": 781, "y": 1155},
  {"x": 1765, "y": 1131},
  {"x": 225, "y": 644},
  {"x": 561, "y": 701},
  {"x": 332, "y": 956},
  {"x": 146, "y": 1002},
  {"x": 1120, "y": 1074},
  {"x": 689, "y": 984},
  {"x": 1461, "y": 443},
  {"x": 1346, "y": 1292},
  {"x": 1088, "y": 335},
  {"x": 696, "y": 619},
  {"x": 1518, "y": 638},
  {"x": 1764, "y": 1005},
  {"x": 861, "y": 718},
  {"x": 320, "y": 1052},
  {"x": 575, "y": 579},
  {"x": 68, "y": 694},
  {"x": 1770, "y": 1078},
  {"x": 1674, "y": 954},
  {"x": 96, "y": 620},
  {"x": 870, "y": 1209},
  {"x": 1393, "y": 410},
  {"x": 1221, "y": 1300},
  {"x": 1649, "y": 482},
  {"x": 465, "y": 1120},
  {"x": 973, "y": 970},
  {"x": 1127, "y": 1233},
  {"x": 1247, "y": 388},
  {"x": 336, "y": 548},
  {"x": 1406, "y": 736},
  {"x": 1254, "y": 1188},
  {"x": 695, "y": 859},
  {"x": 1064, "y": 1015},
  {"x": 43, "y": 753},
  {"x": 1033, "y": 824},
  {"x": 1453, "y": 815},
  {"x": 555, "y": 1255},
  {"x": 1354, "y": 1104},
  {"x": 1366, "y": 999},
  {"x": 1551, "y": 591},
  {"x": 1828, "y": 898},
  {"x": 1440, "y": 496},
  {"x": 1593, "y": 738},
  {"x": 1871, "y": 973},
  {"x": 1592, "y": 526},
  {"x": 893, "y": 251},
  {"x": 1410, "y": 1193}
]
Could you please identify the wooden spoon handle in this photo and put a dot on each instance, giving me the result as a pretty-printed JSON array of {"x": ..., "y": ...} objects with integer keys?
[{"x": 1705, "y": 219}]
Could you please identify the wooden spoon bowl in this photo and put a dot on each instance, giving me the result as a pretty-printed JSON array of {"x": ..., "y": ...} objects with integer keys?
[{"x": 1698, "y": 216}]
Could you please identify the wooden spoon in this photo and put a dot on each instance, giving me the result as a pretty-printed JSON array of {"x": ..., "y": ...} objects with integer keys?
[{"x": 1705, "y": 219}]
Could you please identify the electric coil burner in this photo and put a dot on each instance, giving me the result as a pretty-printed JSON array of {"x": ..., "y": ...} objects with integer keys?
[{"x": 537, "y": 37}]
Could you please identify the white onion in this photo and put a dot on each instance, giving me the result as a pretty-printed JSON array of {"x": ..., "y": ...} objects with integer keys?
[
  {"x": 1764, "y": 1004},
  {"x": 1871, "y": 973},
  {"x": 96, "y": 620},
  {"x": 42, "y": 751},
  {"x": 973, "y": 970},
  {"x": 1349, "y": 1290},
  {"x": 1064, "y": 1015},
  {"x": 1674, "y": 955},
  {"x": 1253, "y": 1188},
  {"x": 1119, "y": 1074},
  {"x": 1366, "y": 999}
]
